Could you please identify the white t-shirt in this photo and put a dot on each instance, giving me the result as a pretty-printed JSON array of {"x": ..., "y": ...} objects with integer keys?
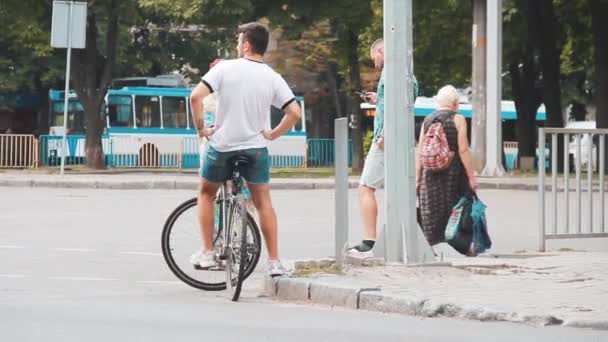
[{"x": 246, "y": 89}]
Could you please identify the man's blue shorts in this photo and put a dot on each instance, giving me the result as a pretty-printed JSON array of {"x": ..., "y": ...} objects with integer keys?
[{"x": 216, "y": 168}]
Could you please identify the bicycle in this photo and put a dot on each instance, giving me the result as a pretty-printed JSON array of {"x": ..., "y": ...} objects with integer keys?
[{"x": 238, "y": 249}]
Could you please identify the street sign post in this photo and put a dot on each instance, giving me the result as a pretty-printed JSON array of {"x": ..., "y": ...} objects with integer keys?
[{"x": 68, "y": 31}]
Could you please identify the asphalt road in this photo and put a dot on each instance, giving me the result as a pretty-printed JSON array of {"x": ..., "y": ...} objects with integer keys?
[{"x": 86, "y": 265}]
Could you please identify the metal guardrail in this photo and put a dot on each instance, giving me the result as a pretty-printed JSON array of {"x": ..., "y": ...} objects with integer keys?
[
  {"x": 320, "y": 152},
  {"x": 51, "y": 150},
  {"x": 133, "y": 151},
  {"x": 511, "y": 151},
  {"x": 561, "y": 229},
  {"x": 18, "y": 151}
]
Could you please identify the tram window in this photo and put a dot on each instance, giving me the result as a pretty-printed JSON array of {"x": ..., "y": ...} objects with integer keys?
[
  {"x": 75, "y": 116},
  {"x": 147, "y": 109},
  {"x": 174, "y": 112},
  {"x": 120, "y": 111}
]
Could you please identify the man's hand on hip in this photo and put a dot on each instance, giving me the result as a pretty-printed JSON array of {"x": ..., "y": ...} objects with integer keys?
[
  {"x": 206, "y": 132},
  {"x": 268, "y": 135}
]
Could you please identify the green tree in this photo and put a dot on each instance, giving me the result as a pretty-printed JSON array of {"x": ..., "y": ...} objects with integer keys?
[
  {"x": 599, "y": 11},
  {"x": 348, "y": 19},
  {"x": 28, "y": 64}
]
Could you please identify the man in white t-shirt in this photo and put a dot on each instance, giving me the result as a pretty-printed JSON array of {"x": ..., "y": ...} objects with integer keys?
[{"x": 246, "y": 89}]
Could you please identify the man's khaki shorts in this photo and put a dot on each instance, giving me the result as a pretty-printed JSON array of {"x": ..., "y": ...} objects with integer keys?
[{"x": 373, "y": 169}]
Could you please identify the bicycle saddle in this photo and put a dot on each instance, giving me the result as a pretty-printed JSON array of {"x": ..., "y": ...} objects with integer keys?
[{"x": 239, "y": 161}]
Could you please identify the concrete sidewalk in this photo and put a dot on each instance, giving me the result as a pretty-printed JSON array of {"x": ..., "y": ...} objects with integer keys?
[
  {"x": 569, "y": 289},
  {"x": 144, "y": 180}
]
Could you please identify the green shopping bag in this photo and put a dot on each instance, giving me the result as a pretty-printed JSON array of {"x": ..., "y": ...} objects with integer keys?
[{"x": 458, "y": 231}]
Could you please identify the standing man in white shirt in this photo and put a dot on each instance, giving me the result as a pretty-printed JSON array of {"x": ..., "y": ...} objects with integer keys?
[{"x": 246, "y": 88}]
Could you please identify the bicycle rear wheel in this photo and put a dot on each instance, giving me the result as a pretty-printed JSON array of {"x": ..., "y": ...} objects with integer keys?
[
  {"x": 181, "y": 237},
  {"x": 241, "y": 248}
]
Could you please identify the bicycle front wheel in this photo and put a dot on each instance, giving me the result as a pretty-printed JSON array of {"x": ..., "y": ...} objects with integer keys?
[{"x": 181, "y": 237}]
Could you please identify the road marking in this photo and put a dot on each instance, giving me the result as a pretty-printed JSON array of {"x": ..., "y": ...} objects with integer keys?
[
  {"x": 11, "y": 247},
  {"x": 83, "y": 278},
  {"x": 142, "y": 253},
  {"x": 12, "y": 276},
  {"x": 75, "y": 249}
]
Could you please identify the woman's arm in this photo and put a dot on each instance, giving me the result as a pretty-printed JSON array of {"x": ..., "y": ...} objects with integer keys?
[
  {"x": 463, "y": 150},
  {"x": 418, "y": 163}
]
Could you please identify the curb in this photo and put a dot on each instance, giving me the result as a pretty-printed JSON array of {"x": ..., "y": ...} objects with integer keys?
[
  {"x": 374, "y": 299},
  {"x": 193, "y": 185}
]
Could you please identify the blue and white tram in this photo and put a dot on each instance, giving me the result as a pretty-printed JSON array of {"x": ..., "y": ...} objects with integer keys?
[{"x": 155, "y": 124}]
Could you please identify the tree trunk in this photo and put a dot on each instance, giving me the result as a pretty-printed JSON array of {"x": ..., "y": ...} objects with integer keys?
[
  {"x": 91, "y": 87},
  {"x": 599, "y": 27},
  {"x": 356, "y": 118},
  {"x": 332, "y": 77},
  {"x": 527, "y": 100},
  {"x": 550, "y": 66},
  {"x": 42, "y": 116}
]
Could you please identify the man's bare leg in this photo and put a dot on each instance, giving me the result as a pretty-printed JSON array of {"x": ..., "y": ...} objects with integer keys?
[
  {"x": 260, "y": 193},
  {"x": 206, "y": 212},
  {"x": 369, "y": 211}
]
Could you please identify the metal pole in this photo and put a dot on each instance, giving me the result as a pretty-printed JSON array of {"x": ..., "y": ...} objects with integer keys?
[
  {"x": 341, "y": 186},
  {"x": 399, "y": 136},
  {"x": 64, "y": 148},
  {"x": 601, "y": 169},
  {"x": 494, "y": 166},
  {"x": 479, "y": 127},
  {"x": 160, "y": 105},
  {"x": 395, "y": 36},
  {"x": 578, "y": 184},
  {"x": 567, "y": 180},
  {"x": 187, "y": 112},
  {"x": 590, "y": 180},
  {"x": 541, "y": 189},
  {"x": 554, "y": 180}
]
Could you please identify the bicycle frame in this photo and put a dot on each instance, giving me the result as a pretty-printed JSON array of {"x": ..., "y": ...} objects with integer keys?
[{"x": 229, "y": 204}]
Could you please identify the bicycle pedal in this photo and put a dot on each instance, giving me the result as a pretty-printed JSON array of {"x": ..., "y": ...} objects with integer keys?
[
  {"x": 199, "y": 268},
  {"x": 211, "y": 269}
]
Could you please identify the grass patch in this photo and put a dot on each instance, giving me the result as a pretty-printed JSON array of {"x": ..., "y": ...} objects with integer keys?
[
  {"x": 566, "y": 249},
  {"x": 296, "y": 172},
  {"x": 521, "y": 251},
  {"x": 314, "y": 271},
  {"x": 313, "y": 172}
]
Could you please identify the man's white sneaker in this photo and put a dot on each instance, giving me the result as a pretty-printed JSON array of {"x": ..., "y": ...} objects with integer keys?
[
  {"x": 361, "y": 250},
  {"x": 275, "y": 268},
  {"x": 203, "y": 259},
  {"x": 352, "y": 252}
]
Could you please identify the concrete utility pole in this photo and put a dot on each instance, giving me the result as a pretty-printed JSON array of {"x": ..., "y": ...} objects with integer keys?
[
  {"x": 493, "y": 166},
  {"x": 479, "y": 43},
  {"x": 403, "y": 237}
]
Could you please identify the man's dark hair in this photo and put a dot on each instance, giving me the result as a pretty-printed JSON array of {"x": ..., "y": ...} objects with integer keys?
[{"x": 257, "y": 35}]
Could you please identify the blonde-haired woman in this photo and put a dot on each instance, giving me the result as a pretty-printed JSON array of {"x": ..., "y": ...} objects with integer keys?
[{"x": 440, "y": 191}]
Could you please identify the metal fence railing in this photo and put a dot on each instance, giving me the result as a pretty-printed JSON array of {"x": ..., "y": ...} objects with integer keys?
[
  {"x": 136, "y": 151},
  {"x": 51, "y": 150},
  {"x": 588, "y": 220},
  {"x": 18, "y": 151},
  {"x": 321, "y": 152},
  {"x": 511, "y": 151}
]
